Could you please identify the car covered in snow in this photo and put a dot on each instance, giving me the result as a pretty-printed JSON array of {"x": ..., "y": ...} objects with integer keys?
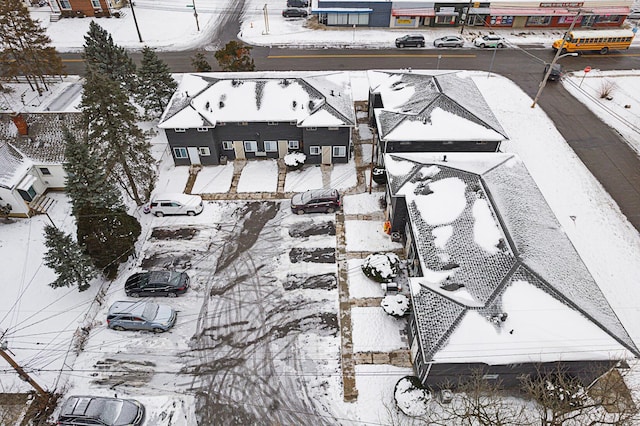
[
  {"x": 98, "y": 410},
  {"x": 140, "y": 315},
  {"x": 157, "y": 283},
  {"x": 316, "y": 201}
]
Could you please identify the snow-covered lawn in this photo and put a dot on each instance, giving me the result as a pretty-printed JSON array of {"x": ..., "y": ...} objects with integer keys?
[
  {"x": 622, "y": 111},
  {"x": 343, "y": 176},
  {"x": 363, "y": 203},
  {"x": 259, "y": 176},
  {"x": 309, "y": 177},
  {"x": 213, "y": 179},
  {"x": 376, "y": 331},
  {"x": 368, "y": 235},
  {"x": 359, "y": 284}
]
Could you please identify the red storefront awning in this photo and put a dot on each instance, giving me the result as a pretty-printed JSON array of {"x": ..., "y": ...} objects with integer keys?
[{"x": 551, "y": 11}]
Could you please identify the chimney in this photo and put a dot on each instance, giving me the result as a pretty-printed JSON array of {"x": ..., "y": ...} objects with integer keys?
[{"x": 21, "y": 123}]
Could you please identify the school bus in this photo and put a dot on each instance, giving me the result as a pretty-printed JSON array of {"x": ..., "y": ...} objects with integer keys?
[{"x": 593, "y": 40}]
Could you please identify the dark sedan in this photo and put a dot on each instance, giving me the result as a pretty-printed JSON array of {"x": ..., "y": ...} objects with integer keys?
[
  {"x": 294, "y": 13},
  {"x": 157, "y": 283},
  {"x": 97, "y": 410}
]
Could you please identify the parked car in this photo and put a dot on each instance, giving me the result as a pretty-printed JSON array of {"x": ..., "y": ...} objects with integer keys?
[
  {"x": 449, "y": 41},
  {"x": 140, "y": 315},
  {"x": 157, "y": 283},
  {"x": 555, "y": 74},
  {"x": 164, "y": 204},
  {"x": 297, "y": 3},
  {"x": 410, "y": 40},
  {"x": 634, "y": 14},
  {"x": 293, "y": 12},
  {"x": 490, "y": 40},
  {"x": 316, "y": 201},
  {"x": 98, "y": 410}
]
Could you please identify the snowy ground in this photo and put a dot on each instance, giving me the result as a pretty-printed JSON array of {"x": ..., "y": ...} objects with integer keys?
[
  {"x": 39, "y": 321},
  {"x": 182, "y": 34}
]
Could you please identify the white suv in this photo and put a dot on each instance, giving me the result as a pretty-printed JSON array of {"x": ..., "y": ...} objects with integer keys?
[
  {"x": 489, "y": 40},
  {"x": 163, "y": 204}
]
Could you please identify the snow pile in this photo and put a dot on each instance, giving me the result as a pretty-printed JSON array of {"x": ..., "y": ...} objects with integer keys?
[
  {"x": 295, "y": 159},
  {"x": 396, "y": 305},
  {"x": 411, "y": 398},
  {"x": 381, "y": 267}
]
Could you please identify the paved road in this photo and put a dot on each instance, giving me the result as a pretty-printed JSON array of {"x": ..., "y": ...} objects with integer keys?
[{"x": 609, "y": 159}]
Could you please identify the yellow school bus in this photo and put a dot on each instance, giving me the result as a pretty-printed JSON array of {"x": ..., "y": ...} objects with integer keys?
[{"x": 593, "y": 40}]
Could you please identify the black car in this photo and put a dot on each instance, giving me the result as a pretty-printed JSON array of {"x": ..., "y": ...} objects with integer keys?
[
  {"x": 555, "y": 74},
  {"x": 410, "y": 40},
  {"x": 316, "y": 201},
  {"x": 157, "y": 283},
  {"x": 95, "y": 410},
  {"x": 294, "y": 13},
  {"x": 297, "y": 3}
]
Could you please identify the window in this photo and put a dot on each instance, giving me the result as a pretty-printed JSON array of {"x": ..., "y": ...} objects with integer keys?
[
  {"x": 203, "y": 129},
  {"x": 314, "y": 150},
  {"x": 312, "y": 129},
  {"x": 339, "y": 151},
  {"x": 608, "y": 18},
  {"x": 250, "y": 146},
  {"x": 271, "y": 146},
  {"x": 538, "y": 20},
  {"x": 65, "y": 4},
  {"x": 204, "y": 151},
  {"x": 180, "y": 153},
  {"x": 227, "y": 145},
  {"x": 272, "y": 123},
  {"x": 293, "y": 144},
  {"x": 179, "y": 130},
  {"x": 45, "y": 171},
  {"x": 96, "y": 4},
  {"x": 333, "y": 128}
]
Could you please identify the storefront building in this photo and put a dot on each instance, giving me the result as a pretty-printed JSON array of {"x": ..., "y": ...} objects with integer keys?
[{"x": 496, "y": 14}]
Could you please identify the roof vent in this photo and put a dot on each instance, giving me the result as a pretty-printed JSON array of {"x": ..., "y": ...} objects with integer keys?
[
  {"x": 332, "y": 92},
  {"x": 285, "y": 82},
  {"x": 310, "y": 105},
  {"x": 294, "y": 104},
  {"x": 207, "y": 106},
  {"x": 221, "y": 104},
  {"x": 236, "y": 82}
]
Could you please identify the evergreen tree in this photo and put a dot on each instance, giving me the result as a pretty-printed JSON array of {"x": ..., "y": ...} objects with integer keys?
[
  {"x": 105, "y": 230},
  {"x": 235, "y": 56},
  {"x": 25, "y": 47},
  {"x": 155, "y": 83},
  {"x": 115, "y": 137},
  {"x": 105, "y": 57},
  {"x": 66, "y": 258},
  {"x": 199, "y": 63}
]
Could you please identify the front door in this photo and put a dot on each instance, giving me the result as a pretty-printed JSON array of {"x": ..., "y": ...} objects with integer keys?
[
  {"x": 283, "y": 148},
  {"x": 194, "y": 155},
  {"x": 326, "y": 155},
  {"x": 238, "y": 148}
]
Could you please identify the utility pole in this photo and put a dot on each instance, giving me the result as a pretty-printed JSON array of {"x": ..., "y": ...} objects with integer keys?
[
  {"x": 23, "y": 374},
  {"x": 195, "y": 13},
  {"x": 466, "y": 16},
  {"x": 135, "y": 21},
  {"x": 555, "y": 58},
  {"x": 266, "y": 19}
]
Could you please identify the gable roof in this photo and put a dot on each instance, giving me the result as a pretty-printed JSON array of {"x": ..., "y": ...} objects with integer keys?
[
  {"x": 44, "y": 143},
  {"x": 309, "y": 99},
  {"x": 489, "y": 244},
  {"x": 426, "y": 107}
]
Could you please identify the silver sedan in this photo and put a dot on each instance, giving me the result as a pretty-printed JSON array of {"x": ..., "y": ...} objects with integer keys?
[{"x": 449, "y": 41}]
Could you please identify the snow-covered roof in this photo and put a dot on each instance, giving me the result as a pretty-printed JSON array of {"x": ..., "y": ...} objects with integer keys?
[
  {"x": 309, "y": 99},
  {"x": 438, "y": 106},
  {"x": 44, "y": 143},
  {"x": 489, "y": 245}
]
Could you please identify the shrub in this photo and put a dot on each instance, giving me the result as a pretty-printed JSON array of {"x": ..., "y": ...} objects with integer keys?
[
  {"x": 411, "y": 397},
  {"x": 381, "y": 267},
  {"x": 295, "y": 160}
]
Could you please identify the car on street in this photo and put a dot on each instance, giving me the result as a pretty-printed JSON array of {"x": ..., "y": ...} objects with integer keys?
[
  {"x": 98, "y": 410},
  {"x": 449, "y": 41},
  {"x": 634, "y": 14},
  {"x": 555, "y": 74},
  {"x": 297, "y": 3},
  {"x": 294, "y": 12},
  {"x": 410, "y": 40},
  {"x": 164, "y": 204},
  {"x": 157, "y": 283},
  {"x": 316, "y": 201},
  {"x": 141, "y": 315},
  {"x": 489, "y": 40}
]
